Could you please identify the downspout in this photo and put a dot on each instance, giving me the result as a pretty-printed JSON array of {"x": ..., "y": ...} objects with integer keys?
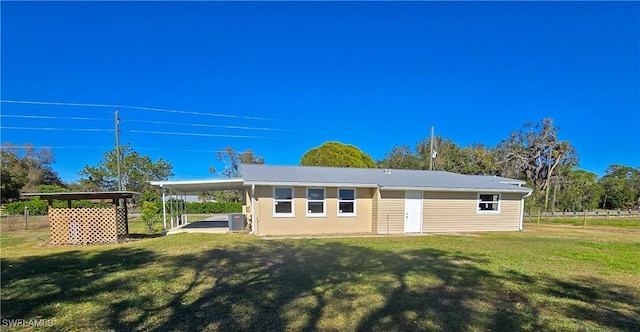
[
  {"x": 522, "y": 210},
  {"x": 253, "y": 214},
  {"x": 164, "y": 210}
]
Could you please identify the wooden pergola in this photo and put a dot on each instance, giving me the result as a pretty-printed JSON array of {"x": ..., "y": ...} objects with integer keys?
[{"x": 88, "y": 225}]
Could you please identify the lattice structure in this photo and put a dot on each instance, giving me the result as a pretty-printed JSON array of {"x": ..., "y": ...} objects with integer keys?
[
  {"x": 84, "y": 225},
  {"x": 123, "y": 227}
]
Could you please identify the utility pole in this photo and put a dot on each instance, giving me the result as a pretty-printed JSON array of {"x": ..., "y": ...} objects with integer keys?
[
  {"x": 118, "y": 149},
  {"x": 431, "y": 152}
]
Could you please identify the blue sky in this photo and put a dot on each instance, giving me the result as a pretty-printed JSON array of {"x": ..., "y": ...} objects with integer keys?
[{"x": 296, "y": 74}]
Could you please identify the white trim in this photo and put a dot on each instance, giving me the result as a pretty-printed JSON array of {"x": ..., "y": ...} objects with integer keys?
[
  {"x": 310, "y": 184},
  {"x": 216, "y": 181},
  {"x": 499, "y": 202},
  {"x": 292, "y": 200},
  {"x": 355, "y": 203},
  {"x": 164, "y": 210},
  {"x": 484, "y": 190},
  {"x": 323, "y": 200},
  {"x": 522, "y": 211}
]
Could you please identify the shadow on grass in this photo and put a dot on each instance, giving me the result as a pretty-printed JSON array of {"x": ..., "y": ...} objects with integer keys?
[
  {"x": 140, "y": 236},
  {"x": 36, "y": 286},
  {"x": 301, "y": 285}
]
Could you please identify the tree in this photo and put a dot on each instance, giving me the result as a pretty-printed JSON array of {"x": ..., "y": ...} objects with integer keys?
[
  {"x": 24, "y": 168},
  {"x": 620, "y": 187},
  {"x": 232, "y": 160},
  {"x": 448, "y": 155},
  {"x": 51, "y": 188},
  {"x": 136, "y": 170},
  {"x": 13, "y": 175},
  {"x": 479, "y": 160},
  {"x": 400, "y": 157},
  {"x": 474, "y": 159},
  {"x": 536, "y": 154},
  {"x": 336, "y": 154},
  {"x": 580, "y": 192}
]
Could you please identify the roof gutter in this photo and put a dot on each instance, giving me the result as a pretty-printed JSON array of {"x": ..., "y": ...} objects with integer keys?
[
  {"x": 311, "y": 184},
  {"x": 487, "y": 190},
  {"x": 522, "y": 210}
]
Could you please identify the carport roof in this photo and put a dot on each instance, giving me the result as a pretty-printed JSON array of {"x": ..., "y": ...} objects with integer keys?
[{"x": 194, "y": 186}]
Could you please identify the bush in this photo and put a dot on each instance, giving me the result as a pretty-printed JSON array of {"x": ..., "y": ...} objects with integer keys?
[
  {"x": 39, "y": 207},
  {"x": 150, "y": 216},
  {"x": 213, "y": 207},
  {"x": 36, "y": 207}
]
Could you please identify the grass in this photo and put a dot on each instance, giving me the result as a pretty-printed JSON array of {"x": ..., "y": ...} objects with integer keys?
[
  {"x": 13, "y": 223},
  {"x": 546, "y": 278},
  {"x": 626, "y": 222}
]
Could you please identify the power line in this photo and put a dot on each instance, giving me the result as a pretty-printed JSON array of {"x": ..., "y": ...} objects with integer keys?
[
  {"x": 131, "y": 107},
  {"x": 58, "y": 129},
  {"x": 205, "y": 125},
  {"x": 48, "y": 117},
  {"x": 60, "y": 147},
  {"x": 139, "y": 121},
  {"x": 191, "y": 134},
  {"x": 111, "y": 147}
]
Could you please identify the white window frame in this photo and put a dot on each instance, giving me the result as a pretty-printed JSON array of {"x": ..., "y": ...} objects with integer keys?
[
  {"x": 498, "y": 202},
  {"x": 292, "y": 200},
  {"x": 323, "y": 200},
  {"x": 355, "y": 204}
]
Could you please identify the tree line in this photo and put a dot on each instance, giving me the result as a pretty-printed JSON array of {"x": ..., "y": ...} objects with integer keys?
[{"x": 534, "y": 153}]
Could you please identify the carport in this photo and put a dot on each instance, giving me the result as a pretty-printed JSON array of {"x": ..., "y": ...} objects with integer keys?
[{"x": 174, "y": 212}]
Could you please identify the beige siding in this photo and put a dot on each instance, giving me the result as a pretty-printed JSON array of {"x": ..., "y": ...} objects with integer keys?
[
  {"x": 246, "y": 204},
  {"x": 391, "y": 212},
  {"x": 267, "y": 224},
  {"x": 376, "y": 210},
  {"x": 457, "y": 212}
]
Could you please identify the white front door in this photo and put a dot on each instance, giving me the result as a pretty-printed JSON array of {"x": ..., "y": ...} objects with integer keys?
[{"x": 413, "y": 212}]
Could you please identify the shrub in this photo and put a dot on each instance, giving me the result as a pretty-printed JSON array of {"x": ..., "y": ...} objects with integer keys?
[
  {"x": 39, "y": 207},
  {"x": 150, "y": 215},
  {"x": 213, "y": 207}
]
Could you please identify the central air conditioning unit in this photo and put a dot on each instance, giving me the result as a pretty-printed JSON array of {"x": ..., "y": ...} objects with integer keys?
[{"x": 237, "y": 222}]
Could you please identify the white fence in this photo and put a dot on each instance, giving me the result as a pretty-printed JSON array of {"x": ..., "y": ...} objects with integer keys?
[{"x": 590, "y": 214}]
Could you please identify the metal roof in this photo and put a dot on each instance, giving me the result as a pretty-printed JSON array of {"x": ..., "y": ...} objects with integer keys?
[
  {"x": 195, "y": 186},
  {"x": 310, "y": 176},
  {"x": 399, "y": 179}
]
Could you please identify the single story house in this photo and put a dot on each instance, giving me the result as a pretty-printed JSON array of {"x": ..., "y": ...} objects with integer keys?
[{"x": 288, "y": 200}]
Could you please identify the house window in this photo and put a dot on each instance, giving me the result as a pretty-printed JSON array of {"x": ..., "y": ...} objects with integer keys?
[
  {"x": 283, "y": 202},
  {"x": 488, "y": 203},
  {"x": 316, "y": 202},
  {"x": 346, "y": 202}
]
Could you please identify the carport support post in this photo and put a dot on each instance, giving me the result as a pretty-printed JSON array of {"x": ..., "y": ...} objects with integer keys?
[
  {"x": 183, "y": 208},
  {"x": 164, "y": 210},
  {"x": 171, "y": 210}
]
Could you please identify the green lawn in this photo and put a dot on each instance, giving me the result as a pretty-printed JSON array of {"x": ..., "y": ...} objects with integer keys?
[
  {"x": 626, "y": 222},
  {"x": 546, "y": 278}
]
